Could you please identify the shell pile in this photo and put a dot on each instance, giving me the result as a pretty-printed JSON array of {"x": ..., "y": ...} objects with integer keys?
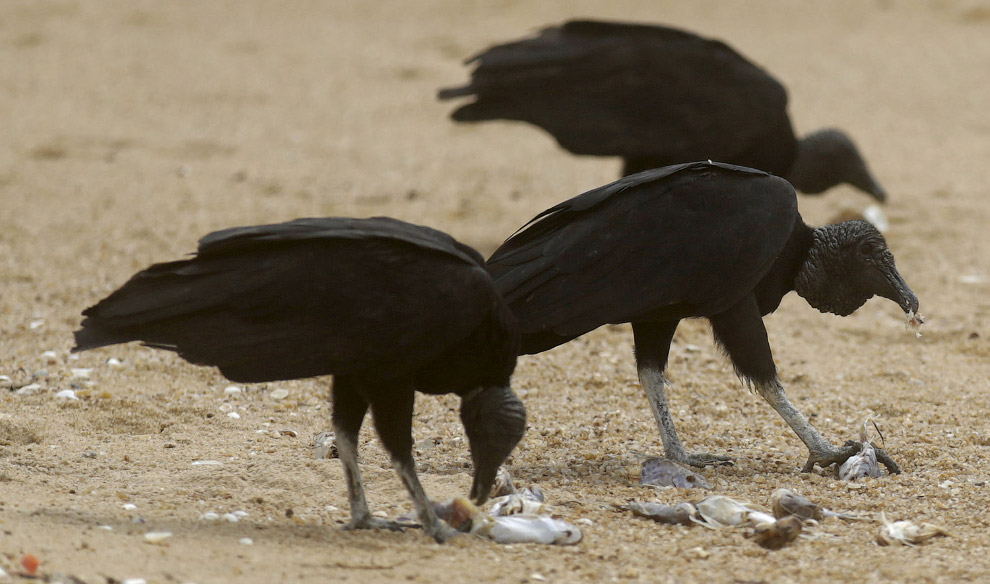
[{"x": 914, "y": 322}]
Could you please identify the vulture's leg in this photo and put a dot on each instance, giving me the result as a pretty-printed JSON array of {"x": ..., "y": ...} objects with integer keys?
[
  {"x": 349, "y": 407},
  {"x": 652, "y": 349},
  {"x": 741, "y": 332},
  {"x": 392, "y": 411}
]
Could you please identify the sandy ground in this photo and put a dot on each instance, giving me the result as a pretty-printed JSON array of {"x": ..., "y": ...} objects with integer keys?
[{"x": 131, "y": 128}]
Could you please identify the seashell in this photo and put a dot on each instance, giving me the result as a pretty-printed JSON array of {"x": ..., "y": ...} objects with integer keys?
[
  {"x": 680, "y": 514},
  {"x": 232, "y": 390},
  {"x": 210, "y": 516},
  {"x": 157, "y": 536},
  {"x": 777, "y": 534},
  {"x": 907, "y": 532},
  {"x": 662, "y": 472},
  {"x": 50, "y": 356},
  {"x": 230, "y": 518},
  {"x": 114, "y": 362},
  {"x": 66, "y": 394},
  {"x": 280, "y": 393},
  {"x": 246, "y": 541},
  {"x": 206, "y": 463},
  {"x": 234, "y": 415}
]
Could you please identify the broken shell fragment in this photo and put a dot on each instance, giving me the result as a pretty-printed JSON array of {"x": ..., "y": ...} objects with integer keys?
[
  {"x": 785, "y": 503},
  {"x": 907, "y": 532},
  {"x": 776, "y": 535},
  {"x": 662, "y": 472},
  {"x": 680, "y": 514}
]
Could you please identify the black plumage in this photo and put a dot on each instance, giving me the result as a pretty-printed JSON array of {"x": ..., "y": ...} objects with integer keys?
[
  {"x": 386, "y": 307},
  {"x": 699, "y": 239},
  {"x": 655, "y": 96}
]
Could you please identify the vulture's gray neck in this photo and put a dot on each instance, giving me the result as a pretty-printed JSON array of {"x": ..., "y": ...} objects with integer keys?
[
  {"x": 827, "y": 158},
  {"x": 819, "y": 280}
]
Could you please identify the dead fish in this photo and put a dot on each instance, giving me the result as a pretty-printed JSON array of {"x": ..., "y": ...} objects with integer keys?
[
  {"x": 719, "y": 511},
  {"x": 680, "y": 514},
  {"x": 528, "y": 529},
  {"x": 785, "y": 502},
  {"x": 776, "y": 535},
  {"x": 529, "y": 501},
  {"x": 907, "y": 532},
  {"x": 662, "y": 472},
  {"x": 864, "y": 463}
]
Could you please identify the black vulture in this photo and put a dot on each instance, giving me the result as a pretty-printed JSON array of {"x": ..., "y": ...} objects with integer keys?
[
  {"x": 700, "y": 239},
  {"x": 386, "y": 307},
  {"x": 655, "y": 96}
]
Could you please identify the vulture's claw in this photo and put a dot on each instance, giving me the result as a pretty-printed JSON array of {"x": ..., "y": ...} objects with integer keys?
[{"x": 840, "y": 455}]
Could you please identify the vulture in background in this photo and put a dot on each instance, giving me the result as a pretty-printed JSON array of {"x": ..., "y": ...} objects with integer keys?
[
  {"x": 655, "y": 96},
  {"x": 386, "y": 307},
  {"x": 700, "y": 239}
]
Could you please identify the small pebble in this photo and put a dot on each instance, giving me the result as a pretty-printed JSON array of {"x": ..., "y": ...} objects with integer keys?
[
  {"x": 287, "y": 432},
  {"x": 4, "y": 379},
  {"x": 90, "y": 454},
  {"x": 66, "y": 394},
  {"x": 280, "y": 393},
  {"x": 133, "y": 581},
  {"x": 114, "y": 362},
  {"x": 50, "y": 356},
  {"x": 81, "y": 373},
  {"x": 206, "y": 463},
  {"x": 230, "y": 517},
  {"x": 241, "y": 514},
  {"x": 157, "y": 536},
  {"x": 331, "y": 508},
  {"x": 234, "y": 415},
  {"x": 210, "y": 516},
  {"x": 106, "y": 527},
  {"x": 129, "y": 506},
  {"x": 36, "y": 324},
  {"x": 246, "y": 541},
  {"x": 380, "y": 514},
  {"x": 232, "y": 390}
]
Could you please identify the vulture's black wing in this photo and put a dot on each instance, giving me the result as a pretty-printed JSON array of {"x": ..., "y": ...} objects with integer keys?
[
  {"x": 309, "y": 297},
  {"x": 686, "y": 240},
  {"x": 636, "y": 91}
]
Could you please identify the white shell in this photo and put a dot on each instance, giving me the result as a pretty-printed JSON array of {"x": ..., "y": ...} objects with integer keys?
[
  {"x": 157, "y": 536},
  {"x": 280, "y": 393}
]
